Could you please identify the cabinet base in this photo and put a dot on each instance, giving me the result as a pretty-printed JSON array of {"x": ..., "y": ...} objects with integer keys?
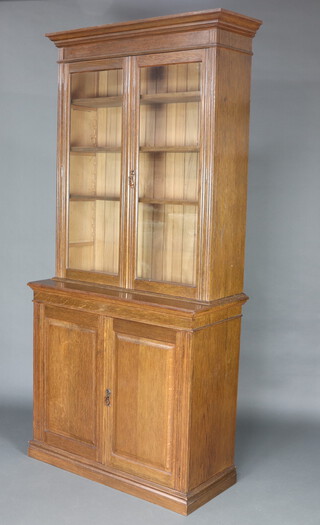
[{"x": 168, "y": 498}]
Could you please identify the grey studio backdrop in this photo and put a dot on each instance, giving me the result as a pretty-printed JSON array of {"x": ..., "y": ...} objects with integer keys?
[{"x": 279, "y": 390}]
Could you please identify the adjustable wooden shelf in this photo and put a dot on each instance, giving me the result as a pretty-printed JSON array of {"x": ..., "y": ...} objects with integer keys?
[{"x": 136, "y": 339}]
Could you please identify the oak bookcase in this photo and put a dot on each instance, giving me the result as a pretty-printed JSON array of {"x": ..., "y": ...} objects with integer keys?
[{"x": 136, "y": 339}]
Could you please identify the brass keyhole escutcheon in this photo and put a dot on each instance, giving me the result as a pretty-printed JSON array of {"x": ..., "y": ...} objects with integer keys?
[
  {"x": 107, "y": 397},
  {"x": 132, "y": 178}
]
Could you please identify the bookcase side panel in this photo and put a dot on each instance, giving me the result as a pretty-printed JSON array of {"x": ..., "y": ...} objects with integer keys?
[{"x": 230, "y": 166}]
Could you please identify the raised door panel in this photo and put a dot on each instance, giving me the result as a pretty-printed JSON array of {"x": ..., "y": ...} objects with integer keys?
[
  {"x": 140, "y": 417},
  {"x": 72, "y": 382}
]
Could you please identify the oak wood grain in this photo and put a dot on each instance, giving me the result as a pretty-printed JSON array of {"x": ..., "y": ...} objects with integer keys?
[
  {"x": 221, "y": 18},
  {"x": 147, "y": 307},
  {"x": 136, "y": 339},
  {"x": 229, "y": 145},
  {"x": 71, "y": 381},
  {"x": 140, "y": 415},
  {"x": 145, "y": 489},
  {"x": 213, "y": 401}
]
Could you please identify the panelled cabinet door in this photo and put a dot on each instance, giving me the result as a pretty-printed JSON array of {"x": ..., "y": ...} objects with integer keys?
[
  {"x": 72, "y": 399},
  {"x": 141, "y": 401}
]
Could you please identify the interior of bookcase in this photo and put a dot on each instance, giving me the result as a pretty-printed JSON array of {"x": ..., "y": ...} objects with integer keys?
[
  {"x": 95, "y": 170},
  {"x": 169, "y": 172}
]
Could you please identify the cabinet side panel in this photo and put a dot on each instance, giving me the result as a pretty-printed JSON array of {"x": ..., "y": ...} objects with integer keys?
[
  {"x": 213, "y": 400},
  {"x": 38, "y": 371},
  {"x": 230, "y": 164}
]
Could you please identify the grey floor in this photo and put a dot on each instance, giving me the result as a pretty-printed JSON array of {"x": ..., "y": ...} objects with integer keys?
[{"x": 278, "y": 465}]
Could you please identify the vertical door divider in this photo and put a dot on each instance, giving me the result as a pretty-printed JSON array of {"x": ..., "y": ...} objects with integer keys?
[
  {"x": 132, "y": 181},
  {"x": 125, "y": 204}
]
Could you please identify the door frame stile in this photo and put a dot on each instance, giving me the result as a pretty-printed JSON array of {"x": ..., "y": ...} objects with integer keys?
[
  {"x": 62, "y": 169},
  {"x": 109, "y": 363},
  {"x": 133, "y": 156},
  {"x": 183, "y": 403},
  {"x": 206, "y": 173},
  {"x": 38, "y": 371},
  {"x": 126, "y": 162},
  {"x": 100, "y": 385}
]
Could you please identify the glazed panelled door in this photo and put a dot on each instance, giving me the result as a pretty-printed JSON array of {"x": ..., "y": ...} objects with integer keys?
[
  {"x": 96, "y": 161},
  {"x": 141, "y": 404},
  {"x": 169, "y": 168},
  {"x": 72, "y": 400}
]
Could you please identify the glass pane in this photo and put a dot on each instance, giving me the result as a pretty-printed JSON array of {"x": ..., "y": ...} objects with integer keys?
[
  {"x": 95, "y": 171},
  {"x": 169, "y": 173}
]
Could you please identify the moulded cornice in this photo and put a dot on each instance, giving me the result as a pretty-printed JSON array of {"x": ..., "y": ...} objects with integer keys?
[{"x": 214, "y": 18}]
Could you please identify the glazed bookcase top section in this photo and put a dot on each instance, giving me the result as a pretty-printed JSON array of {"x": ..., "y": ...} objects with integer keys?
[{"x": 214, "y": 18}]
